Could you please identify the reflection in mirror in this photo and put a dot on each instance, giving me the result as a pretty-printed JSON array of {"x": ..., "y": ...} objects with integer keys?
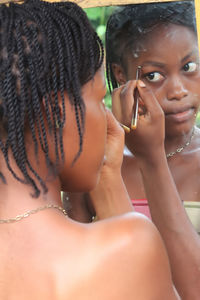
[{"x": 161, "y": 38}]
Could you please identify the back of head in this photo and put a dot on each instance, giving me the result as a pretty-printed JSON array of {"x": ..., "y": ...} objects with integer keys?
[
  {"x": 130, "y": 23},
  {"x": 44, "y": 48}
]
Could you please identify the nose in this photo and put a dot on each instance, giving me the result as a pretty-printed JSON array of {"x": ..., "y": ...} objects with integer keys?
[{"x": 176, "y": 89}]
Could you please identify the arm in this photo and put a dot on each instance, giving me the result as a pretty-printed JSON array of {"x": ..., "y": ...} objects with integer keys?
[
  {"x": 110, "y": 197},
  {"x": 168, "y": 213}
]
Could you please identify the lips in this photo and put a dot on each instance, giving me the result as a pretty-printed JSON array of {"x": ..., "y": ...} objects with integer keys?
[
  {"x": 181, "y": 115},
  {"x": 178, "y": 109}
]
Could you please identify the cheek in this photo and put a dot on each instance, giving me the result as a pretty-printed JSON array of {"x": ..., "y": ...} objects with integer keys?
[
  {"x": 195, "y": 90},
  {"x": 96, "y": 128},
  {"x": 159, "y": 93},
  {"x": 84, "y": 174},
  {"x": 160, "y": 96}
]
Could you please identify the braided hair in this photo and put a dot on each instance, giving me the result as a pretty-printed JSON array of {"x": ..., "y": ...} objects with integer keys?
[
  {"x": 128, "y": 24},
  {"x": 45, "y": 48}
]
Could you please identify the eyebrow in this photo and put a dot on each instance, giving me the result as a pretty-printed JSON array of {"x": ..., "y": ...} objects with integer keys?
[
  {"x": 188, "y": 55},
  {"x": 153, "y": 63}
]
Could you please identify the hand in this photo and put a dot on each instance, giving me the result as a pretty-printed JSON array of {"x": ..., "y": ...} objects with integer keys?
[
  {"x": 110, "y": 198},
  {"x": 148, "y": 138},
  {"x": 114, "y": 145}
]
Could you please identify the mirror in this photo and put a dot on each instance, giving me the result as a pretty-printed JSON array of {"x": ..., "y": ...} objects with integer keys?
[{"x": 181, "y": 165}]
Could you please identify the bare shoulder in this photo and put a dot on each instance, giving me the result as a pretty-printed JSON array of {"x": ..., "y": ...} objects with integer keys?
[
  {"x": 123, "y": 258},
  {"x": 139, "y": 253}
]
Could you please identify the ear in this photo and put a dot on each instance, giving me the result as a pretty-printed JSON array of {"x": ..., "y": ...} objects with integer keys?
[
  {"x": 119, "y": 74},
  {"x": 59, "y": 103}
]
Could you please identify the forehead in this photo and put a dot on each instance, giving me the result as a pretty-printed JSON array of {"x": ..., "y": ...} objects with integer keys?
[{"x": 165, "y": 42}]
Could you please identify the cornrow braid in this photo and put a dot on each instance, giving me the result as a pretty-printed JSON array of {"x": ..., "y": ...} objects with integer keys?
[
  {"x": 130, "y": 23},
  {"x": 42, "y": 46}
]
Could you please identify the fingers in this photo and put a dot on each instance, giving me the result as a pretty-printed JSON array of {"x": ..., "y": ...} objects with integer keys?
[
  {"x": 123, "y": 101},
  {"x": 113, "y": 127},
  {"x": 148, "y": 99},
  {"x": 114, "y": 143}
]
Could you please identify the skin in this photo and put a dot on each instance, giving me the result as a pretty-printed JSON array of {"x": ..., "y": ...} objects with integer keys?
[
  {"x": 71, "y": 260},
  {"x": 174, "y": 80}
]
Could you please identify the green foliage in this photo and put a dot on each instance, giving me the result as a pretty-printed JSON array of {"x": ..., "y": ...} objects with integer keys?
[
  {"x": 98, "y": 17},
  {"x": 198, "y": 119}
]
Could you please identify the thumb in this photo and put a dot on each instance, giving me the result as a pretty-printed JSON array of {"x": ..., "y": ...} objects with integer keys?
[
  {"x": 114, "y": 143},
  {"x": 113, "y": 127}
]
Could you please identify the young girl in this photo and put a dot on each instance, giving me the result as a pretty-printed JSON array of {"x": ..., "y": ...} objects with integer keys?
[{"x": 51, "y": 110}]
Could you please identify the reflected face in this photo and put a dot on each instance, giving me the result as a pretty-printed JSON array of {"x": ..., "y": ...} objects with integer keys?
[
  {"x": 84, "y": 174},
  {"x": 170, "y": 67}
]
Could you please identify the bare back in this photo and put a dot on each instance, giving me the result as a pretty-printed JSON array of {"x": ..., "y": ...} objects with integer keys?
[{"x": 52, "y": 263}]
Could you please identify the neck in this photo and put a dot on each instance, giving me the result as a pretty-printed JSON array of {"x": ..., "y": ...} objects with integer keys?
[
  {"x": 172, "y": 143},
  {"x": 16, "y": 197}
]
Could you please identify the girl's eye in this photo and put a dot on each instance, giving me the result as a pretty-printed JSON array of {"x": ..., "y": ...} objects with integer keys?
[
  {"x": 154, "y": 77},
  {"x": 190, "y": 67}
]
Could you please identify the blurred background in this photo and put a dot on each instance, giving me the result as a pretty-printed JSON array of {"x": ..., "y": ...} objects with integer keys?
[{"x": 98, "y": 17}]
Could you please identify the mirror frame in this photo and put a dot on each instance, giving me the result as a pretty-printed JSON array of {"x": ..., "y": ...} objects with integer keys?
[{"x": 98, "y": 3}]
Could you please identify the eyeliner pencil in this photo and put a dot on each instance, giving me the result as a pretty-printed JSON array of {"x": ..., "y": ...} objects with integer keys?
[{"x": 136, "y": 100}]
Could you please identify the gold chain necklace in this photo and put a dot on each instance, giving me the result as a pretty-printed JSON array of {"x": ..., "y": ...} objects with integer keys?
[
  {"x": 178, "y": 150},
  {"x": 31, "y": 212}
]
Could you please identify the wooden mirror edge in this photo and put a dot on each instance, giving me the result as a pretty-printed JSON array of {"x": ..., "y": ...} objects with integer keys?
[{"x": 98, "y": 3}]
